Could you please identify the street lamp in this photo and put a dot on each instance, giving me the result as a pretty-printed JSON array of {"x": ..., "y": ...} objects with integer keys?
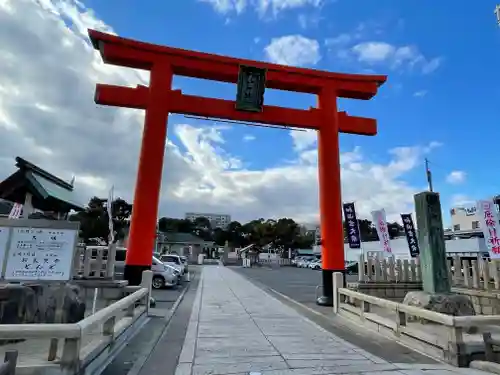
[{"x": 497, "y": 13}]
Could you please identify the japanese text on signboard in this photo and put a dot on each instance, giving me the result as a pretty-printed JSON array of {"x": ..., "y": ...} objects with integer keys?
[
  {"x": 411, "y": 235},
  {"x": 40, "y": 254},
  {"x": 352, "y": 228},
  {"x": 489, "y": 224}
]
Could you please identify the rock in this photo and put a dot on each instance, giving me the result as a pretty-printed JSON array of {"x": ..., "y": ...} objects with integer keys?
[
  {"x": 36, "y": 303},
  {"x": 446, "y": 303},
  {"x": 73, "y": 306},
  {"x": 18, "y": 304}
]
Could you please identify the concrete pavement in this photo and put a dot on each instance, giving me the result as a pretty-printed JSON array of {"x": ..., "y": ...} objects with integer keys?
[{"x": 236, "y": 328}]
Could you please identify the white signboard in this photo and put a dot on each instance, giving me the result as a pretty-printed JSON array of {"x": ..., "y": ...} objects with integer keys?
[
  {"x": 380, "y": 222},
  {"x": 40, "y": 254},
  {"x": 4, "y": 237},
  {"x": 488, "y": 219}
]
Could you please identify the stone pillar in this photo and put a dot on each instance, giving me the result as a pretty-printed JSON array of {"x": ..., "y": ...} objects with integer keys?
[{"x": 435, "y": 277}]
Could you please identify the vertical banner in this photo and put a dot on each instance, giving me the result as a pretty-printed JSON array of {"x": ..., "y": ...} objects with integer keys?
[
  {"x": 411, "y": 235},
  {"x": 488, "y": 219},
  {"x": 380, "y": 222},
  {"x": 110, "y": 215},
  {"x": 15, "y": 212},
  {"x": 353, "y": 235}
]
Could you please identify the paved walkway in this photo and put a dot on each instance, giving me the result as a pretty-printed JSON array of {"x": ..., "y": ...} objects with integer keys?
[{"x": 236, "y": 328}]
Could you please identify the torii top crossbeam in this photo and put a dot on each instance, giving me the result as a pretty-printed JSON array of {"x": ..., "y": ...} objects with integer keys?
[{"x": 133, "y": 54}]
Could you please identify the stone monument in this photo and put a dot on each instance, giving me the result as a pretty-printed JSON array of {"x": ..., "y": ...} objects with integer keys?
[{"x": 436, "y": 295}]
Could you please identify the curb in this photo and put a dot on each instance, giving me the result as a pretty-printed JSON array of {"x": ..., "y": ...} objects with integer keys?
[
  {"x": 141, "y": 360},
  {"x": 490, "y": 367}
]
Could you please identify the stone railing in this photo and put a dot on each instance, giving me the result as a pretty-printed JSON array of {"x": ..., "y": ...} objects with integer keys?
[
  {"x": 438, "y": 335},
  {"x": 112, "y": 324},
  {"x": 278, "y": 261},
  {"x": 390, "y": 269},
  {"x": 8, "y": 367},
  {"x": 463, "y": 272},
  {"x": 93, "y": 262}
]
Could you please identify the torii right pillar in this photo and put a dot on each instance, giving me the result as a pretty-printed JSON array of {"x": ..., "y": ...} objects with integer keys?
[{"x": 331, "y": 123}]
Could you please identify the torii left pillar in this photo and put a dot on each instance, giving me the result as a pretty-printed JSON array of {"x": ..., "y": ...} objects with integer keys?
[{"x": 149, "y": 173}]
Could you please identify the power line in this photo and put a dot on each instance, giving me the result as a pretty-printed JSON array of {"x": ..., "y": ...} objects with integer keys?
[{"x": 245, "y": 123}]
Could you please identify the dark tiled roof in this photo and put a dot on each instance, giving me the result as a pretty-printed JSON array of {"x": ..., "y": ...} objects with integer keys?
[
  {"x": 5, "y": 207},
  {"x": 54, "y": 190},
  {"x": 50, "y": 193},
  {"x": 177, "y": 237}
]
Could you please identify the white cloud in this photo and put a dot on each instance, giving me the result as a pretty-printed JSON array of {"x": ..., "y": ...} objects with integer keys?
[
  {"x": 461, "y": 200},
  {"x": 262, "y": 7},
  {"x": 293, "y": 50},
  {"x": 456, "y": 177},
  {"x": 396, "y": 57},
  {"x": 303, "y": 139},
  {"x": 420, "y": 93},
  {"x": 47, "y": 116},
  {"x": 248, "y": 138},
  {"x": 358, "y": 46},
  {"x": 307, "y": 21}
]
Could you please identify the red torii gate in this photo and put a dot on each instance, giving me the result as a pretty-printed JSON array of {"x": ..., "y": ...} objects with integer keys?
[{"x": 159, "y": 100}]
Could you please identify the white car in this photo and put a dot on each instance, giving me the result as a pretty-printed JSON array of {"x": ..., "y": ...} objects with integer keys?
[
  {"x": 174, "y": 261},
  {"x": 304, "y": 263},
  {"x": 315, "y": 265},
  {"x": 164, "y": 275}
]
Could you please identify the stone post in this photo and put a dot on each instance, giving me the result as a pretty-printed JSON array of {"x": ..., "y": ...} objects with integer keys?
[{"x": 435, "y": 277}]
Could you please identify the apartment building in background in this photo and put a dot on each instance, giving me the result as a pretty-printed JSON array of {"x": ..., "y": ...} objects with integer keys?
[
  {"x": 464, "y": 219},
  {"x": 216, "y": 220}
]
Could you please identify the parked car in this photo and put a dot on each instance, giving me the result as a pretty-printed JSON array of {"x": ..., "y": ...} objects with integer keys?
[
  {"x": 185, "y": 262},
  {"x": 296, "y": 260},
  {"x": 174, "y": 261},
  {"x": 163, "y": 275},
  {"x": 304, "y": 262},
  {"x": 315, "y": 264}
]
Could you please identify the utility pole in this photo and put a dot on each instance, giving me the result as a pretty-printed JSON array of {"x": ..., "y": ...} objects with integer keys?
[{"x": 429, "y": 174}]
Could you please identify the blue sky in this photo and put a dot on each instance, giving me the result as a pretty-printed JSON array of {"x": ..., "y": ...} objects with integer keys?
[
  {"x": 460, "y": 108},
  {"x": 440, "y": 58}
]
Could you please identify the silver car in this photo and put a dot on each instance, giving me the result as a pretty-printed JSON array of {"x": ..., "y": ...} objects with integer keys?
[
  {"x": 163, "y": 275},
  {"x": 174, "y": 261}
]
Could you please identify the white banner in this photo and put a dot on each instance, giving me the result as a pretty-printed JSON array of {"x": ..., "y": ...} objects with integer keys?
[
  {"x": 15, "y": 212},
  {"x": 488, "y": 219},
  {"x": 380, "y": 222},
  {"x": 110, "y": 215}
]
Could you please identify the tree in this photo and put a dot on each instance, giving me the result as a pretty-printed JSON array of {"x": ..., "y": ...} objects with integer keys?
[
  {"x": 282, "y": 234},
  {"x": 94, "y": 220},
  {"x": 121, "y": 212},
  {"x": 167, "y": 224},
  {"x": 367, "y": 230},
  {"x": 287, "y": 234},
  {"x": 236, "y": 234},
  {"x": 394, "y": 230},
  {"x": 203, "y": 223}
]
